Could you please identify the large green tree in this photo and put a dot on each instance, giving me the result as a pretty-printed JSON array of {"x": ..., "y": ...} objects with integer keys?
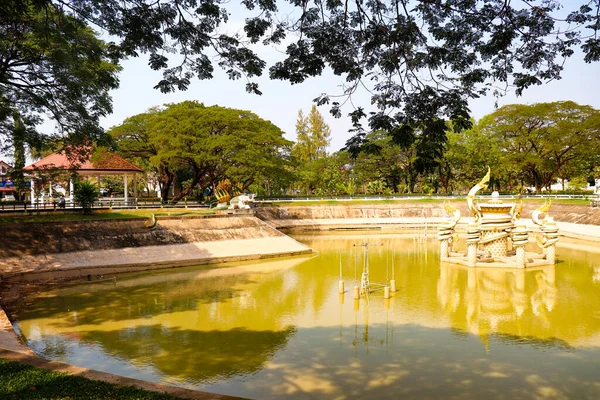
[
  {"x": 544, "y": 140},
  {"x": 138, "y": 141},
  {"x": 206, "y": 144},
  {"x": 52, "y": 66},
  {"x": 421, "y": 60}
]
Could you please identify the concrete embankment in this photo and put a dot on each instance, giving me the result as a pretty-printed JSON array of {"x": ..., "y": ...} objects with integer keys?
[
  {"x": 72, "y": 249},
  {"x": 574, "y": 220}
]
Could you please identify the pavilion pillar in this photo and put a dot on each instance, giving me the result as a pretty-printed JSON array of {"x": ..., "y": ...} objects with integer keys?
[
  {"x": 71, "y": 189},
  {"x": 50, "y": 190},
  {"x": 32, "y": 187},
  {"x": 125, "y": 189},
  {"x": 98, "y": 181},
  {"x": 135, "y": 193}
]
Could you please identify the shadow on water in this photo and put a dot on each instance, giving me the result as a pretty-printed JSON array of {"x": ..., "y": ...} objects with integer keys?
[{"x": 320, "y": 364}]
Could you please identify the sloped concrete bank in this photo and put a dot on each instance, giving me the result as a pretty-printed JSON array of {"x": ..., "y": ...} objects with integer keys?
[
  {"x": 67, "y": 250},
  {"x": 43, "y": 252},
  {"x": 59, "y": 237},
  {"x": 577, "y": 221},
  {"x": 291, "y": 216}
]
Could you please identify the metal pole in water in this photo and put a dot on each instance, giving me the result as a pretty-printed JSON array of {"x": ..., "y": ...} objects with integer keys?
[
  {"x": 341, "y": 282},
  {"x": 393, "y": 281},
  {"x": 387, "y": 265}
]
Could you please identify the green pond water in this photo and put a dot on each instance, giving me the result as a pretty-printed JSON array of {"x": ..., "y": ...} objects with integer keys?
[{"x": 279, "y": 329}]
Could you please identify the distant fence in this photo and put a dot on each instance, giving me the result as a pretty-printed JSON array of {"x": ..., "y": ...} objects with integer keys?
[
  {"x": 121, "y": 203},
  {"x": 115, "y": 203},
  {"x": 417, "y": 197}
]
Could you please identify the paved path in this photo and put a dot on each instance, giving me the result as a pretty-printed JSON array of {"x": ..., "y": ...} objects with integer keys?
[{"x": 579, "y": 231}]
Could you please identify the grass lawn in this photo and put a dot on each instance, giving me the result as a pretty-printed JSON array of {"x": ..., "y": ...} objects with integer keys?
[
  {"x": 20, "y": 381},
  {"x": 56, "y": 216}
]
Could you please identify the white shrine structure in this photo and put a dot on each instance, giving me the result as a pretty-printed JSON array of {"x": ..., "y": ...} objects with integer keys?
[{"x": 497, "y": 237}]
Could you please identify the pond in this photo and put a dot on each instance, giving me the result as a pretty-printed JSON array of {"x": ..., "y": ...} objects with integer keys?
[{"x": 280, "y": 329}]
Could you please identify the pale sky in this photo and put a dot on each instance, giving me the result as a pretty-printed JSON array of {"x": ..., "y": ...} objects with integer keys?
[{"x": 281, "y": 101}]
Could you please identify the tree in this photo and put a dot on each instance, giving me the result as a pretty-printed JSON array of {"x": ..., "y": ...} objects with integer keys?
[
  {"x": 86, "y": 193},
  {"x": 385, "y": 161},
  {"x": 51, "y": 66},
  {"x": 543, "y": 139},
  {"x": 16, "y": 174},
  {"x": 319, "y": 133},
  {"x": 312, "y": 135},
  {"x": 145, "y": 148},
  {"x": 207, "y": 144},
  {"x": 467, "y": 156},
  {"x": 421, "y": 60}
]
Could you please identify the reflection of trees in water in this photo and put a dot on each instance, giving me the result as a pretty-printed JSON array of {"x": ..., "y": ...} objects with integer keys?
[
  {"x": 117, "y": 303},
  {"x": 523, "y": 304},
  {"x": 202, "y": 357}
]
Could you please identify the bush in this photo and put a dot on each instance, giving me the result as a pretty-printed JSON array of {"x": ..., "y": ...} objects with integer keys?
[{"x": 85, "y": 195}]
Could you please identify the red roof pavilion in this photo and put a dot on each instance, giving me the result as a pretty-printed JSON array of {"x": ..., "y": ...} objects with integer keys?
[{"x": 105, "y": 164}]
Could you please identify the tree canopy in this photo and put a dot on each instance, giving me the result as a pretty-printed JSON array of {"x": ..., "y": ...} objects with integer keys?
[
  {"x": 421, "y": 60},
  {"x": 312, "y": 136},
  {"x": 541, "y": 140},
  {"x": 525, "y": 145},
  {"x": 203, "y": 144},
  {"x": 52, "y": 65}
]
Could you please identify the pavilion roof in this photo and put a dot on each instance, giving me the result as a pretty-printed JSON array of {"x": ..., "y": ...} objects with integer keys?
[{"x": 104, "y": 162}]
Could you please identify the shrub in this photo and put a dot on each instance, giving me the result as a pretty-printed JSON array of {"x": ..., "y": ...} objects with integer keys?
[{"x": 85, "y": 195}]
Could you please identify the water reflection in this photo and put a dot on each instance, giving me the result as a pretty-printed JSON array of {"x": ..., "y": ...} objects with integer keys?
[
  {"x": 280, "y": 329},
  {"x": 487, "y": 301}
]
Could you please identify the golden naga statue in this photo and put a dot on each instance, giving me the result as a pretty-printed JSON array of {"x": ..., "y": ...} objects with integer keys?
[
  {"x": 483, "y": 184},
  {"x": 225, "y": 191}
]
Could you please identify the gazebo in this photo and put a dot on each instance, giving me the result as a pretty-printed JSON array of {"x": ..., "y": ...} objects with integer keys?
[{"x": 101, "y": 164}]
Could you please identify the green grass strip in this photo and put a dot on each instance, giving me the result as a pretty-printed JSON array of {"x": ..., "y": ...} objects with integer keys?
[
  {"x": 101, "y": 215},
  {"x": 20, "y": 381}
]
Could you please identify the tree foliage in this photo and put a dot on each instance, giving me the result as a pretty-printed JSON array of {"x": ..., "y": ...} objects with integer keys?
[
  {"x": 52, "y": 65},
  {"x": 204, "y": 144},
  {"x": 312, "y": 136},
  {"x": 17, "y": 175},
  {"x": 525, "y": 145},
  {"x": 421, "y": 60},
  {"x": 542, "y": 140}
]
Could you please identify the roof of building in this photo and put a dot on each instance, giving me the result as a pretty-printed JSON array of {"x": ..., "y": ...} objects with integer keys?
[{"x": 104, "y": 161}]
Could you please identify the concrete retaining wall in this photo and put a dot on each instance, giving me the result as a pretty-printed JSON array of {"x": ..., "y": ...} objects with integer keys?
[{"x": 293, "y": 217}]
